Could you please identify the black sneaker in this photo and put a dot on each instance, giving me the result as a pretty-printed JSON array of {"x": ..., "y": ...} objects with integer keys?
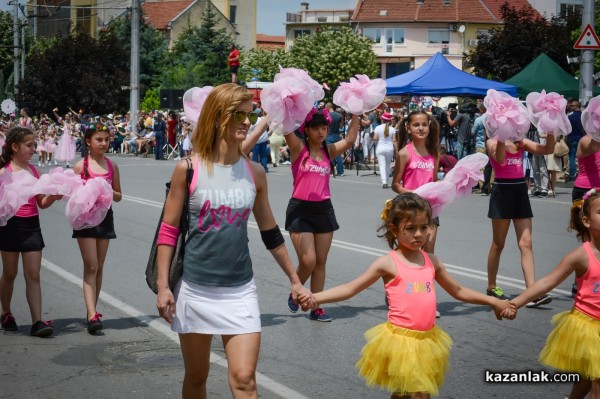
[
  {"x": 94, "y": 324},
  {"x": 543, "y": 300},
  {"x": 497, "y": 293},
  {"x": 8, "y": 322},
  {"x": 544, "y": 194},
  {"x": 41, "y": 329},
  {"x": 292, "y": 307},
  {"x": 319, "y": 315}
]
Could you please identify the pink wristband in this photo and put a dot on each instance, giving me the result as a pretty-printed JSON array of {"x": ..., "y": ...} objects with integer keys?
[{"x": 167, "y": 235}]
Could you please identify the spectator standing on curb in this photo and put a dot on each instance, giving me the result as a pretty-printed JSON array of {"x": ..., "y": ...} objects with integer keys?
[
  {"x": 160, "y": 130},
  {"x": 234, "y": 62},
  {"x": 333, "y": 136},
  {"x": 577, "y": 133}
]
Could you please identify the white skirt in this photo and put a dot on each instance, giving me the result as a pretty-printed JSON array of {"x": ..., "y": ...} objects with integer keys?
[
  {"x": 202, "y": 309},
  {"x": 187, "y": 145}
]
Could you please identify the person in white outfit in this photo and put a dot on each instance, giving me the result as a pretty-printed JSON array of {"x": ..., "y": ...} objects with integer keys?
[{"x": 385, "y": 135}]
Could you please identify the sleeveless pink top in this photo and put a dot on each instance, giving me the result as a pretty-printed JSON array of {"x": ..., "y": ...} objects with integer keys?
[
  {"x": 311, "y": 178},
  {"x": 512, "y": 168},
  {"x": 108, "y": 175},
  {"x": 411, "y": 295},
  {"x": 419, "y": 170},
  {"x": 587, "y": 299},
  {"x": 589, "y": 171},
  {"x": 30, "y": 209}
]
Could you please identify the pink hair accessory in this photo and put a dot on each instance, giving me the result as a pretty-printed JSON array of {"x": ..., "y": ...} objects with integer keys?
[
  {"x": 467, "y": 173},
  {"x": 310, "y": 115},
  {"x": 438, "y": 194},
  {"x": 59, "y": 181},
  {"x": 506, "y": 118},
  {"x": 360, "y": 95},
  {"x": 590, "y": 118},
  {"x": 591, "y": 192},
  {"x": 89, "y": 205},
  {"x": 15, "y": 190},
  {"x": 193, "y": 100},
  {"x": 547, "y": 113}
]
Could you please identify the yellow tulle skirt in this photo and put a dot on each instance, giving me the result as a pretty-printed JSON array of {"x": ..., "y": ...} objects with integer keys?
[
  {"x": 574, "y": 344},
  {"x": 404, "y": 361}
]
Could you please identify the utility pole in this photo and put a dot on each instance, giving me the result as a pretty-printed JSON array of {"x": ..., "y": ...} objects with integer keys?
[
  {"x": 134, "y": 80},
  {"x": 586, "y": 80},
  {"x": 16, "y": 72}
]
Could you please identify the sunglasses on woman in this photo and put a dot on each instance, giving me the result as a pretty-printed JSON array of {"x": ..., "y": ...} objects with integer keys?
[{"x": 240, "y": 116}]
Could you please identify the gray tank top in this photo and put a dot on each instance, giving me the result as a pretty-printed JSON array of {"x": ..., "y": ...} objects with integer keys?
[{"x": 216, "y": 251}]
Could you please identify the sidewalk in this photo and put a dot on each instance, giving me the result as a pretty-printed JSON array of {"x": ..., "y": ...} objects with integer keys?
[{"x": 126, "y": 360}]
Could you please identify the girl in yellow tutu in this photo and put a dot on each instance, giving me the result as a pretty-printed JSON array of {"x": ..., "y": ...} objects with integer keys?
[
  {"x": 408, "y": 354},
  {"x": 574, "y": 344}
]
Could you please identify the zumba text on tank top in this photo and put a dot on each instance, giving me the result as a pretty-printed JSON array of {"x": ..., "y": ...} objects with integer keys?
[
  {"x": 512, "y": 168},
  {"x": 311, "y": 177},
  {"x": 216, "y": 252},
  {"x": 419, "y": 169}
]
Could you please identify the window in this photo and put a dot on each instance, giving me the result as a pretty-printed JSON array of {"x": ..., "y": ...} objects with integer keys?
[
  {"x": 321, "y": 19},
  {"x": 84, "y": 22},
  {"x": 440, "y": 37},
  {"x": 374, "y": 34},
  {"x": 393, "y": 36},
  {"x": 396, "y": 69},
  {"x": 301, "y": 32},
  {"x": 569, "y": 10},
  {"x": 233, "y": 14}
]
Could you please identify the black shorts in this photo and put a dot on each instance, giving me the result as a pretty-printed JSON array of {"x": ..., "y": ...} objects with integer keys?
[
  {"x": 21, "y": 235},
  {"x": 578, "y": 193},
  {"x": 310, "y": 217},
  {"x": 234, "y": 68},
  {"x": 105, "y": 230},
  {"x": 509, "y": 199}
]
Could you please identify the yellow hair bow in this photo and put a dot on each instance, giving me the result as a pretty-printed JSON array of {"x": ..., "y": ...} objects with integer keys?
[{"x": 388, "y": 205}]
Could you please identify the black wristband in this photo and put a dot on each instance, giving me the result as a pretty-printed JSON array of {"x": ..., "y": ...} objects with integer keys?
[{"x": 272, "y": 238}]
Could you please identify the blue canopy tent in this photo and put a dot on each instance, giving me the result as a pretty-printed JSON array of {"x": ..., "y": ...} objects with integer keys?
[{"x": 437, "y": 77}]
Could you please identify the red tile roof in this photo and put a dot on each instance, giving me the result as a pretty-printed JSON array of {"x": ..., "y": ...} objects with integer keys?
[
  {"x": 482, "y": 11},
  {"x": 270, "y": 38},
  {"x": 159, "y": 13}
]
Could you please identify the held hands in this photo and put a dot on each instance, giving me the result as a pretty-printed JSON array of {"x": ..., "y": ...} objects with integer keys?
[
  {"x": 505, "y": 310},
  {"x": 307, "y": 303},
  {"x": 303, "y": 297}
]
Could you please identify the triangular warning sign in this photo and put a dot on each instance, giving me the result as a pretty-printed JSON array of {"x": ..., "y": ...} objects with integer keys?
[{"x": 588, "y": 40}]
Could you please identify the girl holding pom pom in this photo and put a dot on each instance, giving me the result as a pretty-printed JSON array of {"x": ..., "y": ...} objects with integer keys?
[
  {"x": 408, "y": 354},
  {"x": 22, "y": 235},
  {"x": 417, "y": 162},
  {"x": 93, "y": 242},
  {"x": 574, "y": 344},
  {"x": 509, "y": 201},
  {"x": 310, "y": 217}
]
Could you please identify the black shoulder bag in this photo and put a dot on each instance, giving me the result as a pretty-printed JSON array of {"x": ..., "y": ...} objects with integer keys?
[{"x": 176, "y": 264}]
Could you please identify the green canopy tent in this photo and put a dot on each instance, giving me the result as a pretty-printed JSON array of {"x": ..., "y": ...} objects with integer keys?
[{"x": 545, "y": 74}]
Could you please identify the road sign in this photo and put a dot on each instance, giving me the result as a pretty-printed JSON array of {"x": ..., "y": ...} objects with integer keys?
[{"x": 588, "y": 40}]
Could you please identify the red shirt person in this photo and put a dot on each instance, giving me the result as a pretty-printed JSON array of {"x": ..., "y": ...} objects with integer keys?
[{"x": 234, "y": 62}]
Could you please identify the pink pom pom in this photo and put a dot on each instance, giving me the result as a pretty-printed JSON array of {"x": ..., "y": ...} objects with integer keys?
[
  {"x": 287, "y": 101},
  {"x": 506, "y": 118},
  {"x": 314, "y": 90},
  {"x": 467, "y": 173},
  {"x": 547, "y": 113},
  {"x": 15, "y": 191},
  {"x": 59, "y": 181},
  {"x": 89, "y": 205},
  {"x": 438, "y": 194},
  {"x": 590, "y": 118},
  {"x": 193, "y": 100},
  {"x": 360, "y": 95}
]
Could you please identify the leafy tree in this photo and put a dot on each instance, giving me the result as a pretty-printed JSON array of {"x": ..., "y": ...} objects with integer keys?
[
  {"x": 199, "y": 56},
  {"x": 333, "y": 56},
  {"x": 504, "y": 52},
  {"x": 153, "y": 48},
  {"x": 262, "y": 65},
  {"x": 84, "y": 73},
  {"x": 151, "y": 100}
]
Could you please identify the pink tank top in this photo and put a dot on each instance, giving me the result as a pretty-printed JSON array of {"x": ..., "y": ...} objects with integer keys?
[
  {"x": 419, "y": 170},
  {"x": 589, "y": 171},
  {"x": 587, "y": 299},
  {"x": 311, "y": 178},
  {"x": 108, "y": 175},
  {"x": 30, "y": 209},
  {"x": 512, "y": 168},
  {"x": 411, "y": 295}
]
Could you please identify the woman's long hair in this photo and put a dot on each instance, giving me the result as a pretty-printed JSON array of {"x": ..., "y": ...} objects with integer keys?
[{"x": 215, "y": 119}]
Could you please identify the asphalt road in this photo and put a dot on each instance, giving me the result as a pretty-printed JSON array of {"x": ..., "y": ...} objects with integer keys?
[{"x": 137, "y": 356}]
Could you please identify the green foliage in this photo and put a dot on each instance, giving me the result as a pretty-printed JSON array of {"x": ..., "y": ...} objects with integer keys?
[
  {"x": 333, "y": 56},
  {"x": 505, "y": 52},
  {"x": 261, "y": 64},
  {"x": 151, "y": 100},
  {"x": 153, "y": 48},
  {"x": 6, "y": 38},
  {"x": 199, "y": 57},
  {"x": 84, "y": 73}
]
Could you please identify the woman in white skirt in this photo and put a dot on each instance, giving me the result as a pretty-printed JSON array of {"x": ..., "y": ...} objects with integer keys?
[
  {"x": 385, "y": 135},
  {"x": 217, "y": 292}
]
